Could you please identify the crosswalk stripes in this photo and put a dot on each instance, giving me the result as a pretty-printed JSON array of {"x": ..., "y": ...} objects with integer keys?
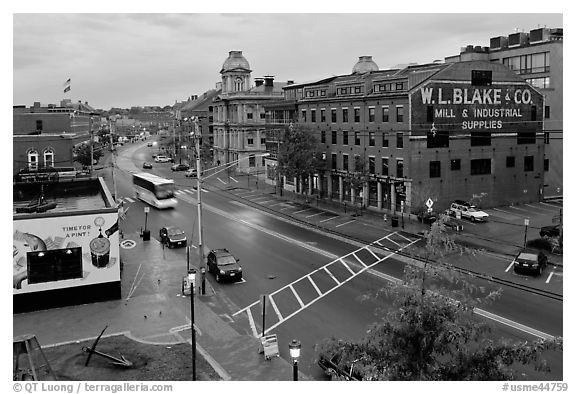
[{"x": 128, "y": 199}]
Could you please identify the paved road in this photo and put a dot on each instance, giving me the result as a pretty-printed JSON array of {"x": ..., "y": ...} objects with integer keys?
[{"x": 300, "y": 266}]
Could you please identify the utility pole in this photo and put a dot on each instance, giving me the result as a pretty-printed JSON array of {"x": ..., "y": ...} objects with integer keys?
[
  {"x": 113, "y": 163},
  {"x": 199, "y": 187},
  {"x": 91, "y": 144}
]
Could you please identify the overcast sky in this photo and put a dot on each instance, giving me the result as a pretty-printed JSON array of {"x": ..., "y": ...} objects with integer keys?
[{"x": 124, "y": 60}]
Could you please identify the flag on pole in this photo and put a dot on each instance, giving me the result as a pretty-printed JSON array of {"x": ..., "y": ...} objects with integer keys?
[{"x": 67, "y": 85}]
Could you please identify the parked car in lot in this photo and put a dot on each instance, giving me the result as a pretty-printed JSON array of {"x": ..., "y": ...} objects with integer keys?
[
  {"x": 172, "y": 236},
  {"x": 550, "y": 231},
  {"x": 147, "y": 165},
  {"x": 329, "y": 365},
  {"x": 467, "y": 211},
  {"x": 149, "y": 144},
  {"x": 162, "y": 159},
  {"x": 531, "y": 262},
  {"x": 224, "y": 265},
  {"x": 192, "y": 173},
  {"x": 180, "y": 167}
]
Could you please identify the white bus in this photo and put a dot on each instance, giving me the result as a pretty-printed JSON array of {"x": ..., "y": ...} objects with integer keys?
[{"x": 154, "y": 190}]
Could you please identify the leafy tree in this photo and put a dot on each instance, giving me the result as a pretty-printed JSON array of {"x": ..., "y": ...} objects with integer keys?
[
  {"x": 83, "y": 153},
  {"x": 300, "y": 154},
  {"x": 431, "y": 333}
]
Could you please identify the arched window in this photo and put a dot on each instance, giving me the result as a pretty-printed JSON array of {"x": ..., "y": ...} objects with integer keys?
[
  {"x": 33, "y": 159},
  {"x": 239, "y": 85},
  {"x": 48, "y": 157}
]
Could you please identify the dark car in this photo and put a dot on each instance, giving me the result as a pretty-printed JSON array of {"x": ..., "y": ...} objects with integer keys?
[
  {"x": 147, "y": 165},
  {"x": 172, "y": 236},
  {"x": 427, "y": 217},
  {"x": 224, "y": 265},
  {"x": 550, "y": 231},
  {"x": 180, "y": 167},
  {"x": 329, "y": 365},
  {"x": 531, "y": 262}
]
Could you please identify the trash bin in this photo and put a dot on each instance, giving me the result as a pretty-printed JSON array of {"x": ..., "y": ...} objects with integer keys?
[
  {"x": 394, "y": 221},
  {"x": 146, "y": 235}
]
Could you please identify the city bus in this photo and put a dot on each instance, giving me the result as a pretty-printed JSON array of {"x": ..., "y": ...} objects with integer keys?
[{"x": 154, "y": 190}]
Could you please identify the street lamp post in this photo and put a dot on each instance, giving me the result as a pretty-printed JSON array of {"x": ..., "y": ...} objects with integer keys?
[
  {"x": 91, "y": 144},
  {"x": 197, "y": 137},
  {"x": 193, "y": 329},
  {"x": 295, "y": 347}
]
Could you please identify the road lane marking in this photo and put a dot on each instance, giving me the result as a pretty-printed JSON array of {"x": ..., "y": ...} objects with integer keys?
[
  {"x": 265, "y": 201},
  {"x": 330, "y": 274},
  {"x": 250, "y": 195},
  {"x": 520, "y": 209},
  {"x": 221, "y": 180},
  {"x": 234, "y": 179},
  {"x": 391, "y": 240},
  {"x": 280, "y": 203},
  {"x": 539, "y": 208},
  {"x": 297, "y": 296},
  {"x": 325, "y": 220},
  {"x": 259, "y": 198},
  {"x": 551, "y": 205},
  {"x": 342, "y": 224},
  {"x": 128, "y": 199},
  {"x": 506, "y": 212},
  {"x": 347, "y": 267},
  {"x": 550, "y": 276},
  {"x": 510, "y": 266},
  {"x": 303, "y": 210},
  {"x": 275, "y": 307},
  {"x": 360, "y": 260},
  {"x": 513, "y": 324},
  {"x": 316, "y": 214},
  {"x": 314, "y": 284}
]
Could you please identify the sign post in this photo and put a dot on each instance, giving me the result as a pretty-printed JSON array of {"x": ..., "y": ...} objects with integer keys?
[{"x": 146, "y": 233}]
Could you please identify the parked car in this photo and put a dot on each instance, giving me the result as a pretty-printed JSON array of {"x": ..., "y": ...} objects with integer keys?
[
  {"x": 530, "y": 261},
  {"x": 192, "y": 173},
  {"x": 329, "y": 365},
  {"x": 550, "y": 231},
  {"x": 224, "y": 265},
  {"x": 147, "y": 165},
  {"x": 172, "y": 236},
  {"x": 149, "y": 144},
  {"x": 162, "y": 159},
  {"x": 426, "y": 217},
  {"x": 468, "y": 211},
  {"x": 180, "y": 167}
]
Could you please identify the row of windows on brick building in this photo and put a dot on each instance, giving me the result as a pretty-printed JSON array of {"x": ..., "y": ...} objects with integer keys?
[{"x": 477, "y": 166}]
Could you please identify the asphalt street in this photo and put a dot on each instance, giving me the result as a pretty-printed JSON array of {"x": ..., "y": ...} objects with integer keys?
[{"x": 317, "y": 281}]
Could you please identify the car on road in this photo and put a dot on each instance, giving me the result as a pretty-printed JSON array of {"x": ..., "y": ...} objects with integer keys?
[
  {"x": 172, "y": 236},
  {"x": 149, "y": 144},
  {"x": 531, "y": 262},
  {"x": 467, "y": 211},
  {"x": 550, "y": 231},
  {"x": 223, "y": 265},
  {"x": 147, "y": 165},
  {"x": 192, "y": 173},
  {"x": 162, "y": 159},
  {"x": 180, "y": 167}
]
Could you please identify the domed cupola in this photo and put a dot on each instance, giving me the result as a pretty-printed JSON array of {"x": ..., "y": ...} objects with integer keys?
[
  {"x": 235, "y": 73},
  {"x": 365, "y": 64},
  {"x": 235, "y": 61}
]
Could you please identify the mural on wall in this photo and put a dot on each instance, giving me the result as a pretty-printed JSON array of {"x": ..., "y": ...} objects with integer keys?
[{"x": 65, "y": 251}]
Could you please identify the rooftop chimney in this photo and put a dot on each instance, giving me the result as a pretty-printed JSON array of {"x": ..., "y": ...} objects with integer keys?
[
  {"x": 290, "y": 82},
  {"x": 268, "y": 80},
  {"x": 258, "y": 81}
]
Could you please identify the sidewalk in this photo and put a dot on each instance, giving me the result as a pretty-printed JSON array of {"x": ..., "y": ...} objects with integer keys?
[{"x": 153, "y": 311}]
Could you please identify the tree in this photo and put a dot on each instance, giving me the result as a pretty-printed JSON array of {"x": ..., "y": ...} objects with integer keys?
[
  {"x": 300, "y": 154},
  {"x": 431, "y": 333},
  {"x": 83, "y": 153},
  {"x": 358, "y": 178}
]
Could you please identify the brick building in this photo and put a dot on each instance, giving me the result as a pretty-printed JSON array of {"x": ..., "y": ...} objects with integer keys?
[
  {"x": 47, "y": 135},
  {"x": 464, "y": 130}
]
